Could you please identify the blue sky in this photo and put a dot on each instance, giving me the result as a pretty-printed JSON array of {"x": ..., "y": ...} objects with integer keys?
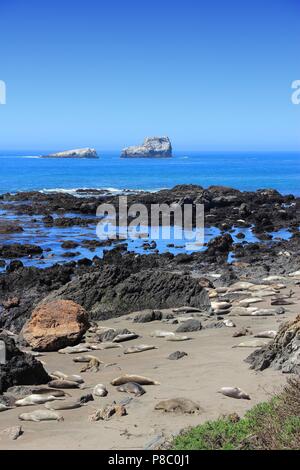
[{"x": 211, "y": 75}]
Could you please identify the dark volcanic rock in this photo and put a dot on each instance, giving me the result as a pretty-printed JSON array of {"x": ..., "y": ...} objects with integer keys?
[
  {"x": 17, "y": 250},
  {"x": 111, "y": 292},
  {"x": 9, "y": 227},
  {"x": 69, "y": 245},
  {"x": 189, "y": 326},
  {"x": 20, "y": 368},
  {"x": 282, "y": 353}
]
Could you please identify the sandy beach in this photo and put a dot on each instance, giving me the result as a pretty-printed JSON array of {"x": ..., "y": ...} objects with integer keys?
[{"x": 211, "y": 363}]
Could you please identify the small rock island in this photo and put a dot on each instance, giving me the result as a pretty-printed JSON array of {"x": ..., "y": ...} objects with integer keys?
[
  {"x": 152, "y": 147},
  {"x": 76, "y": 153}
]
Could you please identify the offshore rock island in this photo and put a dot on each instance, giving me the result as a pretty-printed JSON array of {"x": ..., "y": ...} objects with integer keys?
[
  {"x": 75, "y": 153},
  {"x": 152, "y": 147}
]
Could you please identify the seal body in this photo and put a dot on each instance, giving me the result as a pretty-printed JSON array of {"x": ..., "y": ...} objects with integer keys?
[
  {"x": 41, "y": 415},
  {"x": 139, "y": 379},
  {"x": 36, "y": 399},
  {"x": 60, "y": 383},
  {"x": 132, "y": 387},
  {"x": 63, "y": 405},
  {"x": 139, "y": 348},
  {"x": 234, "y": 392}
]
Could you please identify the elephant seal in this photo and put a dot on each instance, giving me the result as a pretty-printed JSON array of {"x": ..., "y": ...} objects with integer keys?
[
  {"x": 139, "y": 348},
  {"x": 36, "y": 399},
  {"x": 181, "y": 405},
  {"x": 234, "y": 392},
  {"x": 252, "y": 343},
  {"x": 132, "y": 387},
  {"x": 61, "y": 383},
  {"x": 74, "y": 349},
  {"x": 266, "y": 334},
  {"x": 41, "y": 415},
  {"x": 4, "y": 407},
  {"x": 60, "y": 375},
  {"x": 63, "y": 405},
  {"x": 84, "y": 358},
  {"x": 125, "y": 337},
  {"x": 100, "y": 390},
  {"x": 161, "y": 334},
  {"x": 139, "y": 379},
  {"x": 178, "y": 338}
]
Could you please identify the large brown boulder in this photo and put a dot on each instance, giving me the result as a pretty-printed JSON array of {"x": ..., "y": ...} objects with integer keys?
[{"x": 54, "y": 325}]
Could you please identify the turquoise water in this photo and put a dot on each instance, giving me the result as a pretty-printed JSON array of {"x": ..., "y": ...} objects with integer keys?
[{"x": 242, "y": 170}]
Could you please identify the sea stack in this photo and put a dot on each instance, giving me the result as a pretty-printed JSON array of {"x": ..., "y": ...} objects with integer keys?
[
  {"x": 76, "y": 153},
  {"x": 152, "y": 147}
]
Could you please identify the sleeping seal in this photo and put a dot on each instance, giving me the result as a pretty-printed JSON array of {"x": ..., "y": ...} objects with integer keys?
[
  {"x": 252, "y": 343},
  {"x": 60, "y": 375},
  {"x": 132, "y": 387},
  {"x": 266, "y": 334},
  {"x": 181, "y": 405},
  {"x": 84, "y": 358},
  {"x": 41, "y": 415},
  {"x": 139, "y": 379},
  {"x": 178, "y": 338},
  {"x": 60, "y": 383},
  {"x": 4, "y": 407},
  {"x": 139, "y": 348},
  {"x": 234, "y": 392},
  {"x": 63, "y": 405},
  {"x": 36, "y": 399}
]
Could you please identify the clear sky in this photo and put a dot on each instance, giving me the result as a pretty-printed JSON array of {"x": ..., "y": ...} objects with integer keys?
[{"x": 210, "y": 74}]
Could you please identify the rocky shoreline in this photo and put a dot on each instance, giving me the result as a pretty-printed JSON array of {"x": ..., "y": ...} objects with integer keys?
[{"x": 233, "y": 284}]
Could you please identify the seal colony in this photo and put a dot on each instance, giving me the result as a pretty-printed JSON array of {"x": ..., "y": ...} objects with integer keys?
[{"x": 225, "y": 305}]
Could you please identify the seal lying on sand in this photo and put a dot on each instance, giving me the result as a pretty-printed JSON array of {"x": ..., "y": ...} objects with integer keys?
[
  {"x": 60, "y": 383},
  {"x": 4, "y": 407},
  {"x": 139, "y": 348},
  {"x": 60, "y": 375},
  {"x": 36, "y": 399},
  {"x": 178, "y": 338},
  {"x": 181, "y": 405},
  {"x": 161, "y": 334},
  {"x": 132, "y": 387},
  {"x": 139, "y": 379},
  {"x": 252, "y": 343},
  {"x": 64, "y": 405},
  {"x": 234, "y": 392},
  {"x": 266, "y": 334},
  {"x": 41, "y": 415},
  {"x": 85, "y": 358},
  {"x": 74, "y": 349}
]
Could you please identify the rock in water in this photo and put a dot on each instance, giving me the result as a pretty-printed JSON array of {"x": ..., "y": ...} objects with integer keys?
[
  {"x": 76, "y": 153},
  {"x": 20, "y": 368},
  {"x": 153, "y": 147},
  {"x": 55, "y": 325},
  {"x": 281, "y": 353}
]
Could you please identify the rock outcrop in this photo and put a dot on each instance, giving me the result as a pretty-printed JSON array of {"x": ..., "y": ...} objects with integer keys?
[
  {"x": 111, "y": 292},
  {"x": 153, "y": 147},
  {"x": 76, "y": 153},
  {"x": 283, "y": 353},
  {"x": 20, "y": 368},
  {"x": 55, "y": 325}
]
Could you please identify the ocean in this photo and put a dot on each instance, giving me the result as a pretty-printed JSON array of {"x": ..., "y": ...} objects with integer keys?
[{"x": 23, "y": 171}]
